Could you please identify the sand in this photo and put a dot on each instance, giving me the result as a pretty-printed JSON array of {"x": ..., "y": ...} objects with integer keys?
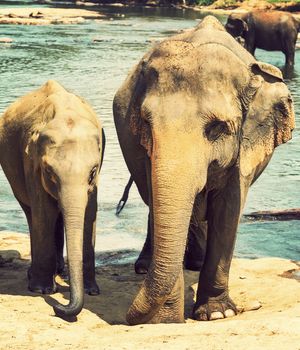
[
  {"x": 46, "y": 16},
  {"x": 28, "y": 321}
]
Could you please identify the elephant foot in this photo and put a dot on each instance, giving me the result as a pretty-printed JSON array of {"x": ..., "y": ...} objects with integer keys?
[
  {"x": 141, "y": 266},
  {"x": 169, "y": 313},
  {"x": 41, "y": 285},
  {"x": 214, "y": 308},
  {"x": 91, "y": 288},
  {"x": 147, "y": 309}
]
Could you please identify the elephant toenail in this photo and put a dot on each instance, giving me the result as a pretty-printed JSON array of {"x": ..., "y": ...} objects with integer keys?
[
  {"x": 216, "y": 315},
  {"x": 229, "y": 313}
]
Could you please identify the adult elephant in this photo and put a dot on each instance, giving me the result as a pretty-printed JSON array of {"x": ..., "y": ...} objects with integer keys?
[
  {"x": 268, "y": 30},
  {"x": 51, "y": 148},
  {"x": 197, "y": 120}
]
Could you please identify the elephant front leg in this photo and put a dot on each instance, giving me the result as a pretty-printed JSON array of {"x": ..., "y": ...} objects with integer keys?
[
  {"x": 43, "y": 250},
  {"x": 250, "y": 44},
  {"x": 197, "y": 235},
  {"x": 89, "y": 275},
  {"x": 143, "y": 262},
  {"x": 224, "y": 208},
  {"x": 289, "y": 53}
]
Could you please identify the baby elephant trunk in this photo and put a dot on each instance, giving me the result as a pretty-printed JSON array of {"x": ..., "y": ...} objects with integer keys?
[{"x": 73, "y": 211}]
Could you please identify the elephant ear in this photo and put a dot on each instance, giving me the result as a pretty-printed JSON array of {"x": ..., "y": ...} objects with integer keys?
[
  {"x": 128, "y": 101},
  {"x": 31, "y": 148},
  {"x": 285, "y": 120},
  {"x": 268, "y": 116},
  {"x": 138, "y": 125},
  {"x": 281, "y": 107},
  {"x": 47, "y": 110},
  {"x": 268, "y": 71}
]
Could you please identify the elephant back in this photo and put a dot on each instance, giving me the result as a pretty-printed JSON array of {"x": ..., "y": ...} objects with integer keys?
[{"x": 211, "y": 32}]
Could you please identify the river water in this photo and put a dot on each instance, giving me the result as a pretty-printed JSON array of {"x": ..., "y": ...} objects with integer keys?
[{"x": 92, "y": 59}]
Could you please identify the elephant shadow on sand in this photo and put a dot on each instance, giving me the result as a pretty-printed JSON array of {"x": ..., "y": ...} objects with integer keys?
[{"x": 118, "y": 286}]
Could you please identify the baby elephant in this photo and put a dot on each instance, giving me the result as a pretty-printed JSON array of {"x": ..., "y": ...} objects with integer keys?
[
  {"x": 51, "y": 149},
  {"x": 267, "y": 30}
]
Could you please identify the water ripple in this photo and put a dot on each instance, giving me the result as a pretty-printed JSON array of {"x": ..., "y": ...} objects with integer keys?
[{"x": 92, "y": 60}]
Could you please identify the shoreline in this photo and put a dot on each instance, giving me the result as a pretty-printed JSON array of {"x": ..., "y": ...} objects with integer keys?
[
  {"x": 78, "y": 12},
  {"x": 263, "y": 289}
]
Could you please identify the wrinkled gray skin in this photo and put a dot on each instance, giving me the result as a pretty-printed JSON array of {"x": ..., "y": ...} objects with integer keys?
[
  {"x": 198, "y": 120},
  {"x": 51, "y": 148},
  {"x": 268, "y": 30}
]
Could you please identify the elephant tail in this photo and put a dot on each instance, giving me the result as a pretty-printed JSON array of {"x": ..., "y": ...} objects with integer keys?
[{"x": 124, "y": 198}]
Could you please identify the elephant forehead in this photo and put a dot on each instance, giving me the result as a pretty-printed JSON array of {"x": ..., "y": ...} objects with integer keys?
[
  {"x": 220, "y": 104},
  {"x": 202, "y": 69},
  {"x": 69, "y": 105},
  {"x": 72, "y": 157},
  {"x": 70, "y": 126},
  {"x": 183, "y": 108},
  {"x": 175, "y": 105}
]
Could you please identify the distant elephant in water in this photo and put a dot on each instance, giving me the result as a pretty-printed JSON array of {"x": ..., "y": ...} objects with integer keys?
[
  {"x": 197, "y": 119},
  {"x": 51, "y": 149},
  {"x": 268, "y": 30}
]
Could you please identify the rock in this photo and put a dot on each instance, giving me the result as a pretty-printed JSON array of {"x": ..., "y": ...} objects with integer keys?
[
  {"x": 36, "y": 15},
  {"x": 6, "y": 40},
  {"x": 293, "y": 273},
  {"x": 12, "y": 15},
  {"x": 97, "y": 40},
  {"x": 117, "y": 4},
  {"x": 285, "y": 214}
]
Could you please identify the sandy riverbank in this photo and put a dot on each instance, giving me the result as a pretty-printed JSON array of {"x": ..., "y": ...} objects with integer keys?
[
  {"x": 28, "y": 322},
  {"x": 46, "y": 16}
]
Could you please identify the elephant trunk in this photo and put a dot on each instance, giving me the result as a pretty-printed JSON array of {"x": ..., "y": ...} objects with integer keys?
[
  {"x": 73, "y": 209},
  {"x": 174, "y": 188}
]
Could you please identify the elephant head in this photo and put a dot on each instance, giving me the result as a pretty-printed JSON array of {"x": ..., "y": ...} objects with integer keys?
[
  {"x": 237, "y": 25},
  {"x": 66, "y": 150},
  {"x": 196, "y": 116}
]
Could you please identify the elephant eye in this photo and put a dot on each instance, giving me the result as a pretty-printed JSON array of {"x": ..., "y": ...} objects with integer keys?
[
  {"x": 93, "y": 174},
  {"x": 215, "y": 129},
  {"x": 48, "y": 170}
]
